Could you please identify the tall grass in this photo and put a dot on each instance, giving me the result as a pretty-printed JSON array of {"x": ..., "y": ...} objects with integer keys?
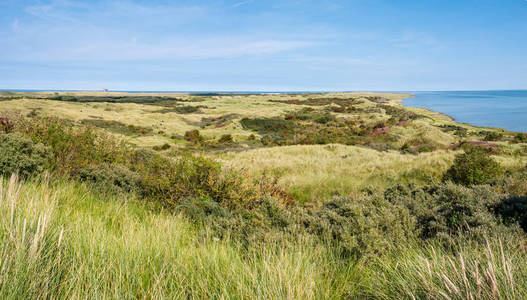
[
  {"x": 493, "y": 270},
  {"x": 60, "y": 240}
]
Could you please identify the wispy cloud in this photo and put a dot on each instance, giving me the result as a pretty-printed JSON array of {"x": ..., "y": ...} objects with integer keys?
[
  {"x": 70, "y": 30},
  {"x": 242, "y": 3}
]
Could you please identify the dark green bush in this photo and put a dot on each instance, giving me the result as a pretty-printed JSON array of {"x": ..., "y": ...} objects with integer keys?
[
  {"x": 226, "y": 139},
  {"x": 364, "y": 226},
  {"x": 492, "y": 135},
  {"x": 266, "y": 125},
  {"x": 20, "y": 155},
  {"x": 514, "y": 210},
  {"x": 473, "y": 167},
  {"x": 325, "y": 119},
  {"x": 116, "y": 178},
  {"x": 193, "y": 136},
  {"x": 520, "y": 138},
  {"x": 445, "y": 210},
  {"x": 165, "y": 146}
]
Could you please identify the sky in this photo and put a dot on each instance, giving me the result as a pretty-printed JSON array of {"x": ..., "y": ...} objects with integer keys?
[{"x": 255, "y": 45}]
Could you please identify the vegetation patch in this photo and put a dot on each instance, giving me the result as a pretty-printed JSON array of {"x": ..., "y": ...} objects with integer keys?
[
  {"x": 217, "y": 122},
  {"x": 473, "y": 167},
  {"x": 118, "y": 127},
  {"x": 185, "y": 109}
]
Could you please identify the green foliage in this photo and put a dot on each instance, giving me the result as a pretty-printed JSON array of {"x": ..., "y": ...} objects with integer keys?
[
  {"x": 492, "y": 135},
  {"x": 184, "y": 109},
  {"x": 520, "y": 138},
  {"x": 20, "y": 155},
  {"x": 193, "y": 136},
  {"x": 514, "y": 210},
  {"x": 118, "y": 127},
  {"x": 267, "y": 125},
  {"x": 473, "y": 167},
  {"x": 446, "y": 210},
  {"x": 116, "y": 178},
  {"x": 226, "y": 139},
  {"x": 73, "y": 147},
  {"x": 165, "y": 146},
  {"x": 308, "y": 126},
  {"x": 457, "y": 130},
  {"x": 361, "y": 227}
]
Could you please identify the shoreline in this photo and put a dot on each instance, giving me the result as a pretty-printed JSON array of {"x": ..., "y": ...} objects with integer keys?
[{"x": 451, "y": 118}]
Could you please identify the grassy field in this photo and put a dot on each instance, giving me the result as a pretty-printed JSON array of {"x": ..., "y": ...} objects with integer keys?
[{"x": 300, "y": 196}]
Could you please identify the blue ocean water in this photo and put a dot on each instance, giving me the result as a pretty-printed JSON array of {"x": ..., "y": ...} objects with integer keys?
[{"x": 502, "y": 109}]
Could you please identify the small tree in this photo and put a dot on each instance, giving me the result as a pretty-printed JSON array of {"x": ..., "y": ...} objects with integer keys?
[{"x": 473, "y": 167}]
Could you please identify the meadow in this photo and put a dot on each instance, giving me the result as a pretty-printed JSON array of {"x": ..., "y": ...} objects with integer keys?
[{"x": 277, "y": 196}]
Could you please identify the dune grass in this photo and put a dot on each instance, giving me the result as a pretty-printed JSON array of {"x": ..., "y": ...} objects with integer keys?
[
  {"x": 59, "y": 240},
  {"x": 315, "y": 173}
]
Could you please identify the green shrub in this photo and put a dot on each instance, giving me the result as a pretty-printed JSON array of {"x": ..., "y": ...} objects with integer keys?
[
  {"x": 20, "y": 155},
  {"x": 492, "y": 136},
  {"x": 193, "y": 136},
  {"x": 112, "y": 177},
  {"x": 520, "y": 138},
  {"x": 266, "y": 125},
  {"x": 226, "y": 139},
  {"x": 73, "y": 147},
  {"x": 165, "y": 146},
  {"x": 514, "y": 210},
  {"x": 361, "y": 227},
  {"x": 445, "y": 210},
  {"x": 325, "y": 119},
  {"x": 118, "y": 127},
  {"x": 473, "y": 167}
]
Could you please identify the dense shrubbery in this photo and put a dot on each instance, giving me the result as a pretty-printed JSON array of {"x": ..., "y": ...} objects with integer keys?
[
  {"x": 363, "y": 226},
  {"x": 473, "y": 167},
  {"x": 233, "y": 204},
  {"x": 308, "y": 126},
  {"x": 88, "y": 155},
  {"x": 446, "y": 210},
  {"x": 116, "y": 178},
  {"x": 118, "y": 127},
  {"x": 20, "y": 155}
]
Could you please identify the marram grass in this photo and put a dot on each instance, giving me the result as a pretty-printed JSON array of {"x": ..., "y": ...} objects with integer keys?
[{"x": 61, "y": 241}]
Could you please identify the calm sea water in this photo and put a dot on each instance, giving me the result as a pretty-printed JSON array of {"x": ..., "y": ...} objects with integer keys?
[{"x": 503, "y": 109}]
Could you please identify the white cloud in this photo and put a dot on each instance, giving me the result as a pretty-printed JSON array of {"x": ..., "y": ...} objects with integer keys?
[{"x": 246, "y": 2}]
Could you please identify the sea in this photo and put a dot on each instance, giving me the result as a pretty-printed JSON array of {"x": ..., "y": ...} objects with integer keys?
[{"x": 505, "y": 109}]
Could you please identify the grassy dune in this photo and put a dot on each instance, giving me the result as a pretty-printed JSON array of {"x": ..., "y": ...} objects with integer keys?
[
  {"x": 136, "y": 204},
  {"x": 314, "y": 173},
  {"x": 61, "y": 240}
]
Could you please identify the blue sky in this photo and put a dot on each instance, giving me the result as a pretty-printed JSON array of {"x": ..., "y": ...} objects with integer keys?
[{"x": 263, "y": 45}]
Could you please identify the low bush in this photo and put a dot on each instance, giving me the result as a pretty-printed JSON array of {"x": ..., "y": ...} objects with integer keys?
[
  {"x": 20, "y": 155},
  {"x": 520, "y": 138},
  {"x": 118, "y": 127},
  {"x": 226, "y": 139},
  {"x": 115, "y": 178},
  {"x": 473, "y": 167},
  {"x": 446, "y": 210},
  {"x": 361, "y": 227},
  {"x": 492, "y": 135},
  {"x": 193, "y": 136},
  {"x": 165, "y": 146}
]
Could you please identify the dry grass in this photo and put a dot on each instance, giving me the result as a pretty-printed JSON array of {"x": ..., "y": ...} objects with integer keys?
[{"x": 316, "y": 172}]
